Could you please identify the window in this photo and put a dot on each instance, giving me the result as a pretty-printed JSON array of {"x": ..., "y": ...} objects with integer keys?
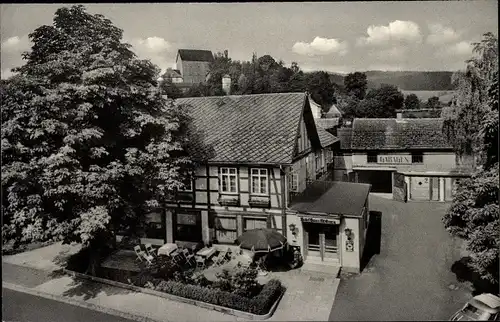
[
  {"x": 188, "y": 185},
  {"x": 318, "y": 161},
  {"x": 293, "y": 181},
  {"x": 372, "y": 157},
  {"x": 188, "y": 227},
  {"x": 253, "y": 223},
  {"x": 259, "y": 182},
  {"x": 417, "y": 157},
  {"x": 229, "y": 178},
  {"x": 225, "y": 230},
  {"x": 154, "y": 226}
]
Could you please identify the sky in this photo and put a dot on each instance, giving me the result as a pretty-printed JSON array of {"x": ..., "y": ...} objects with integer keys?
[{"x": 338, "y": 37}]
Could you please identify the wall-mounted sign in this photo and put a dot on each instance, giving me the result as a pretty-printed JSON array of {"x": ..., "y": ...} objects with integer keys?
[
  {"x": 393, "y": 159},
  {"x": 317, "y": 220},
  {"x": 349, "y": 245}
]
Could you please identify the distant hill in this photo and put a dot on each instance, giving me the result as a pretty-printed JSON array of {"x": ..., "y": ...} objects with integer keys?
[{"x": 408, "y": 81}]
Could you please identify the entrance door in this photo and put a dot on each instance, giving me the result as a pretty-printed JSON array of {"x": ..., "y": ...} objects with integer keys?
[
  {"x": 330, "y": 245},
  {"x": 322, "y": 242},
  {"x": 313, "y": 240}
]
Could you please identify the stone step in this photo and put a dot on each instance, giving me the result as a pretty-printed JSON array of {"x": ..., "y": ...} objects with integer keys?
[{"x": 328, "y": 269}]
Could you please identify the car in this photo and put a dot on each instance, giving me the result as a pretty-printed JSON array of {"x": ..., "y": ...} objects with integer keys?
[{"x": 483, "y": 307}]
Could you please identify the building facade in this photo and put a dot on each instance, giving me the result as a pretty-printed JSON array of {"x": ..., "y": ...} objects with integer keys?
[
  {"x": 193, "y": 65},
  {"x": 266, "y": 154},
  {"x": 409, "y": 158}
]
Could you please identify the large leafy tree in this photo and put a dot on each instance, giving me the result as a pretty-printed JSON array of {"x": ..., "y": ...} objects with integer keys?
[
  {"x": 382, "y": 102},
  {"x": 321, "y": 89},
  {"x": 356, "y": 84},
  {"x": 474, "y": 213},
  {"x": 412, "y": 102},
  {"x": 464, "y": 117},
  {"x": 88, "y": 143}
]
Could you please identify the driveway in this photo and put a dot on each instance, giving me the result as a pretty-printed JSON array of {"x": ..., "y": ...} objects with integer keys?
[{"x": 411, "y": 278}]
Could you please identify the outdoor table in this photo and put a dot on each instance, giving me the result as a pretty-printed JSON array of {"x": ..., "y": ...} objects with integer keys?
[
  {"x": 206, "y": 252},
  {"x": 167, "y": 249}
]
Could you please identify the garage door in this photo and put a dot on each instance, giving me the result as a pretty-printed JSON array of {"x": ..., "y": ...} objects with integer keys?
[
  {"x": 381, "y": 181},
  {"x": 420, "y": 188}
]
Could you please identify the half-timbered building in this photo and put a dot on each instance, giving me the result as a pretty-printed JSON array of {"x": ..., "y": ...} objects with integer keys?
[{"x": 265, "y": 157}]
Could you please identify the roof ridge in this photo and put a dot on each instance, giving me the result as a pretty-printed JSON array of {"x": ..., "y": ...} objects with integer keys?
[{"x": 245, "y": 95}]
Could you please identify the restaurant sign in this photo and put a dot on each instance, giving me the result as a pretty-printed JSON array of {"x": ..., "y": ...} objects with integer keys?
[
  {"x": 317, "y": 220},
  {"x": 394, "y": 159}
]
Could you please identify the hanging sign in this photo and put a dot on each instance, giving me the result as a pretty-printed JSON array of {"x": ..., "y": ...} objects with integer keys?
[{"x": 317, "y": 220}]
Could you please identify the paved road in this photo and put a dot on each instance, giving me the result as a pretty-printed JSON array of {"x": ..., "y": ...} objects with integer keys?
[
  {"x": 22, "y": 307},
  {"x": 411, "y": 278}
]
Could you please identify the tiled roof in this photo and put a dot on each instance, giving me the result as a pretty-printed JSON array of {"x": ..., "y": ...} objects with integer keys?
[
  {"x": 195, "y": 55},
  {"x": 325, "y": 138},
  {"x": 327, "y": 123},
  {"x": 332, "y": 197},
  {"x": 258, "y": 128},
  {"x": 393, "y": 134},
  {"x": 173, "y": 73}
]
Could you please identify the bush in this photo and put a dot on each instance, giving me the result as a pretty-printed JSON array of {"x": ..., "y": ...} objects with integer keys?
[{"x": 260, "y": 304}]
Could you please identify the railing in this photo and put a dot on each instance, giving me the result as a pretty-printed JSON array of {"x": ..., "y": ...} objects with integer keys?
[
  {"x": 331, "y": 249},
  {"x": 313, "y": 247}
]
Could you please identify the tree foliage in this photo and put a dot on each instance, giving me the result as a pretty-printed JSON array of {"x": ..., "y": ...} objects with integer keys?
[
  {"x": 88, "y": 143},
  {"x": 433, "y": 102},
  {"x": 464, "y": 117},
  {"x": 412, "y": 102},
  {"x": 474, "y": 213},
  {"x": 356, "y": 84}
]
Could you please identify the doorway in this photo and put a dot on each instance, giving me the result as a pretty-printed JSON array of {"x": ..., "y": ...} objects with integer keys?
[{"x": 321, "y": 241}]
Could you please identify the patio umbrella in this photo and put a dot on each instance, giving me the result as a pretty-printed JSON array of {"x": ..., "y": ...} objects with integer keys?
[{"x": 263, "y": 240}]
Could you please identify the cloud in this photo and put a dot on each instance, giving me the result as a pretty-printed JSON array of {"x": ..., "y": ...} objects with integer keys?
[
  {"x": 397, "y": 52},
  {"x": 153, "y": 44},
  {"x": 440, "y": 34},
  {"x": 16, "y": 44},
  {"x": 320, "y": 46},
  {"x": 407, "y": 31},
  {"x": 462, "y": 49},
  {"x": 156, "y": 49}
]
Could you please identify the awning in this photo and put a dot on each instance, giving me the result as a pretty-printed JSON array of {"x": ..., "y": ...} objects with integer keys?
[{"x": 332, "y": 199}]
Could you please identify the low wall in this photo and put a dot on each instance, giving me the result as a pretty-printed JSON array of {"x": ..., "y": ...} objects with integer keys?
[{"x": 168, "y": 296}]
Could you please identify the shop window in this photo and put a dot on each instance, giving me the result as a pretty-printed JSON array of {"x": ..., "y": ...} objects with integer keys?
[
  {"x": 154, "y": 226},
  {"x": 188, "y": 227},
  {"x": 417, "y": 157},
  {"x": 226, "y": 230},
  {"x": 371, "y": 157},
  {"x": 260, "y": 184},
  {"x": 252, "y": 223},
  {"x": 229, "y": 180}
]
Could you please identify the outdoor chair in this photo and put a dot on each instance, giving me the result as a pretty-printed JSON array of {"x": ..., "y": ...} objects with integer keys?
[
  {"x": 151, "y": 250},
  {"x": 142, "y": 255},
  {"x": 200, "y": 262},
  {"x": 219, "y": 259},
  {"x": 188, "y": 257}
]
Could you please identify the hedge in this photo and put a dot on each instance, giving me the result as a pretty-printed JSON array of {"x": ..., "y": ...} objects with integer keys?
[{"x": 260, "y": 304}]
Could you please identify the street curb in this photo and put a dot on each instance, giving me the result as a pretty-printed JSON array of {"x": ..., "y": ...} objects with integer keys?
[{"x": 79, "y": 303}]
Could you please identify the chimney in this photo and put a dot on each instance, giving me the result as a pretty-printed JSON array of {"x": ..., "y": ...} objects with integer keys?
[{"x": 226, "y": 84}]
